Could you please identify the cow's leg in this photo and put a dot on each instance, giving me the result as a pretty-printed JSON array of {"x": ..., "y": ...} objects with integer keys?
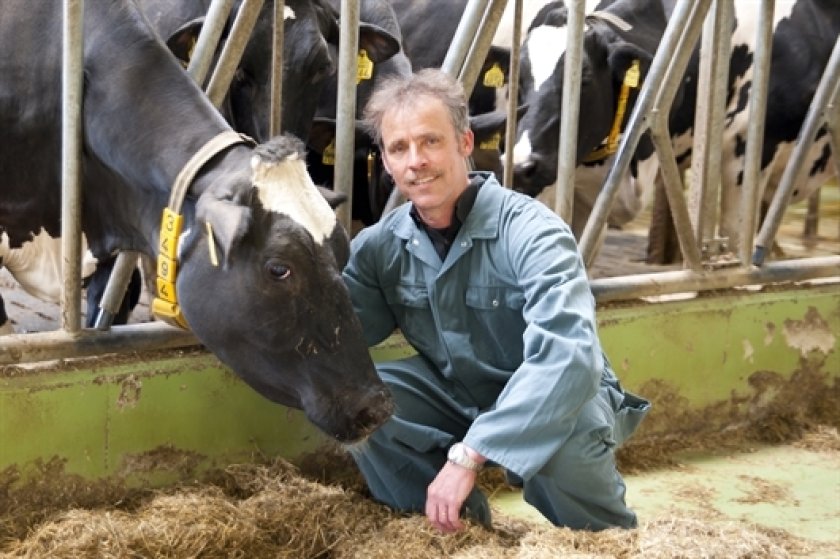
[
  {"x": 95, "y": 289},
  {"x": 5, "y": 323},
  {"x": 663, "y": 243}
]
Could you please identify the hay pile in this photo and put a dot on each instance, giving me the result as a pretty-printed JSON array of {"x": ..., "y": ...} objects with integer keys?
[{"x": 259, "y": 511}]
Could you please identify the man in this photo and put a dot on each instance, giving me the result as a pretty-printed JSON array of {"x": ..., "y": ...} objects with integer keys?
[{"x": 489, "y": 288}]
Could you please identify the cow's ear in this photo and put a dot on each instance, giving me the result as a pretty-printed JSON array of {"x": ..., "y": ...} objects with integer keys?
[
  {"x": 621, "y": 56},
  {"x": 379, "y": 44},
  {"x": 321, "y": 134},
  {"x": 227, "y": 220},
  {"x": 333, "y": 198},
  {"x": 182, "y": 41}
]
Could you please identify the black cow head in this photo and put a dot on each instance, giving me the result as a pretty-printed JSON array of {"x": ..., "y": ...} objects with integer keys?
[
  {"x": 608, "y": 53},
  {"x": 288, "y": 322}
]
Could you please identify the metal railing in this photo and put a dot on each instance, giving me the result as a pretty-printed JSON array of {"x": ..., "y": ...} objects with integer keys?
[{"x": 468, "y": 49}]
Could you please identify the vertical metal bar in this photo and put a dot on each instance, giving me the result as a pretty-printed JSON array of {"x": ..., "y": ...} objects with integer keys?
[
  {"x": 464, "y": 35},
  {"x": 708, "y": 119},
  {"x": 513, "y": 92},
  {"x": 572, "y": 70},
  {"x": 71, "y": 154},
  {"x": 232, "y": 52},
  {"x": 208, "y": 39},
  {"x": 813, "y": 119},
  {"x": 275, "y": 123},
  {"x": 660, "y": 76},
  {"x": 348, "y": 50},
  {"x": 755, "y": 130}
]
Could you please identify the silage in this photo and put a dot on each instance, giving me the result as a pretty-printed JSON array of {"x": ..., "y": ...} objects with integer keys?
[{"x": 271, "y": 511}]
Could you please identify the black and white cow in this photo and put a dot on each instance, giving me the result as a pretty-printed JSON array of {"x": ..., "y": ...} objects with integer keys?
[
  {"x": 259, "y": 260},
  {"x": 805, "y": 32}
]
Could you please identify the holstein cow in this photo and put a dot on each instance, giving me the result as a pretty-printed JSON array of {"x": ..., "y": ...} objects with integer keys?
[
  {"x": 255, "y": 272},
  {"x": 543, "y": 45},
  {"x": 804, "y": 34}
]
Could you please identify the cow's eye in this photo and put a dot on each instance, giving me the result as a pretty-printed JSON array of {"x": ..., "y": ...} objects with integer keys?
[{"x": 277, "y": 270}]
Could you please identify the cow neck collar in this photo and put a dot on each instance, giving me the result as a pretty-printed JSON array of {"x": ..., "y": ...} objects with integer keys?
[
  {"x": 610, "y": 146},
  {"x": 165, "y": 306}
]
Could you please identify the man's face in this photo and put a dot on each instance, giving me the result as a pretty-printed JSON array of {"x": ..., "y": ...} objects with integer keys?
[{"x": 426, "y": 156}]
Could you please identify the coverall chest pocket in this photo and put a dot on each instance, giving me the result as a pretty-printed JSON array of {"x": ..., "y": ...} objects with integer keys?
[
  {"x": 412, "y": 308},
  {"x": 495, "y": 320}
]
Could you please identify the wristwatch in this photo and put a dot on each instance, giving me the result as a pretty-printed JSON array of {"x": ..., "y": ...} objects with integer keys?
[{"x": 458, "y": 455}]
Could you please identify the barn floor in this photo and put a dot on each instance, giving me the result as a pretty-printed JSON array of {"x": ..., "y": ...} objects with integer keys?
[{"x": 789, "y": 487}]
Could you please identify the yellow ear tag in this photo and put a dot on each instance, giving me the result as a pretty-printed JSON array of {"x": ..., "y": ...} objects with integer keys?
[
  {"x": 364, "y": 67},
  {"x": 211, "y": 245},
  {"x": 328, "y": 157},
  {"x": 492, "y": 142},
  {"x": 494, "y": 77},
  {"x": 631, "y": 77}
]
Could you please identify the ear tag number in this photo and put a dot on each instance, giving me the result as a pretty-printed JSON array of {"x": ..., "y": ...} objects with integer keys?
[{"x": 170, "y": 229}]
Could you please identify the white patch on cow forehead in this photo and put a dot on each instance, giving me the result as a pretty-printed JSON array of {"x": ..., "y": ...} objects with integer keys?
[
  {"x": 286, "y": 188},
  {"x": 522, "y": 150},
  {"x": 288, "y": 13},
  {"x": 546, "y": 44}
]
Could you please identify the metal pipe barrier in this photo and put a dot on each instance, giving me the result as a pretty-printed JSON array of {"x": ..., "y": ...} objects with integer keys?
[
  {"x": 569, "y": 113},
  {"x": 58, "y": 344},
  {"x": 704, "y": 188},
  {"x": 687, "y": 16},
  {"x": 346, "y": 109},
  {"x": 225, "y": 69},
  {"x": 682, "y": 281},
  {"x": 468, "y": 74},
  {"x": 464, "y": 36},
  {"x": 208, "y": 39},
  {"x": 277, "y": 42},
  {"x": 71, "y": 151},
  {"x": 755, "y": 130}
]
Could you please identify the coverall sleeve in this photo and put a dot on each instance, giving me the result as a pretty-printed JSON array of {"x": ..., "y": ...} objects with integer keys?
[
  {"x": 362, "y": 279},
  {"x": 562, "y": 363}
]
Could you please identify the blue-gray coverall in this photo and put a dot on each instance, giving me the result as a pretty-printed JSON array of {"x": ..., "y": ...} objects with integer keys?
[{"x": 508, "y": 360}]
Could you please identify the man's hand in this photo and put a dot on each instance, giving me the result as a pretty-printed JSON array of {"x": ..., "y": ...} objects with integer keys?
[{"x": 447, "y": 493}]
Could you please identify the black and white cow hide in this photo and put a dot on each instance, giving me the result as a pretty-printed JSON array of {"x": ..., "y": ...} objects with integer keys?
[{"x": 260, "y": 256}]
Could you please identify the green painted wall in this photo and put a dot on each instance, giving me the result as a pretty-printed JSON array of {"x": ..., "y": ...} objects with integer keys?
[{"x": 158, "y": 418}]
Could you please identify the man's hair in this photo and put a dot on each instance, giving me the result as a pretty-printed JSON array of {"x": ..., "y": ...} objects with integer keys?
[{"x": 400, "y": 91}]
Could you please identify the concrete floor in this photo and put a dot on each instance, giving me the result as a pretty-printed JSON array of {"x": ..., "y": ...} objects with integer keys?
[{"x": 785, "y": 487}]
